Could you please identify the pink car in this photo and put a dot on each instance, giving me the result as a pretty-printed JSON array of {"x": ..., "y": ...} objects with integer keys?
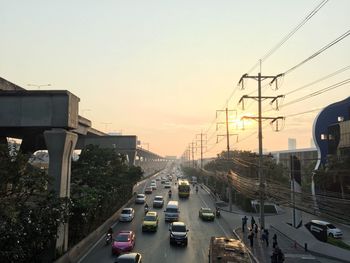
[{"x": 123, "y": 242}]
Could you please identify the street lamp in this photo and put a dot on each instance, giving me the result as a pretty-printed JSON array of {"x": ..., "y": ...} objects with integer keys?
[{"x": 39, "y": 85}]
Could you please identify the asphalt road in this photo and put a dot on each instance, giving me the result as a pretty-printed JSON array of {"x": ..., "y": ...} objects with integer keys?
[{"x": 155, "y": 247}]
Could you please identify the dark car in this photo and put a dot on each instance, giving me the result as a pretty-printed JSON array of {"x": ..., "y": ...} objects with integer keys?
[
  {"x": 178, "y": 233},
  {"x": 129, "y": 258}
]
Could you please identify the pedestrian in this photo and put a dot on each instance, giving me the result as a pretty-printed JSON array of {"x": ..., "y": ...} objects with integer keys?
[
  {"x": 252, "y": 222},
  {"x": 274, "y": 241},
  {"x": 256, "y": 229},
  {"x": 244, "y": 223},
  {"x": 277, "y": 256},
  {"x": 251, "y": 238},
  {"x": 263, "y": 236},
  {"x": 266, "y": 231}
]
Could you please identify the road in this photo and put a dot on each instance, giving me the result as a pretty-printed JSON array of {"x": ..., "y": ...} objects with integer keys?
[{"x": 155, "y": 247}]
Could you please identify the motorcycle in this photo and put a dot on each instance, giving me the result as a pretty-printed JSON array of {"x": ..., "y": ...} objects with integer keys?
[
  {"x": 146, "y": 209},
  {"x": 108, "y": 238},
  {"x": 169, "y": 193}
]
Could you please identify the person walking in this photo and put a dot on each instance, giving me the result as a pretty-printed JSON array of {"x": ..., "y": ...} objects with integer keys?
[
  {"x": 252, "y": 223},
  {"x": 274, "y": 241},
  {"x": 256, "y": 229},
  {"x": 251, "y": 238},
  {"x": 266, "y": 232},
  {"x": 244, "y": 223}
]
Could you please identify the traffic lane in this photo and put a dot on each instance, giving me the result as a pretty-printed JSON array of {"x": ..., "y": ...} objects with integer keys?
[
  {"x": 158, "y": 249},
  {"x": 155, "y": 247}
]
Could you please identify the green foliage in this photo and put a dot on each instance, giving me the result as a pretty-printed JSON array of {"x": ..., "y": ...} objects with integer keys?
[
  {"x": 101, "y": 182},
  {"x": 338, "y": 243},
  {"x": 29, "y": 214}
]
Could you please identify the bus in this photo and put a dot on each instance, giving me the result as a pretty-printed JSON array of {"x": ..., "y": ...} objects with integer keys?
[{"x": 184, "y": 188}]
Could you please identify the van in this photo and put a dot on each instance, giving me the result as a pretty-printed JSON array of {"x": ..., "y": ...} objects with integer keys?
[{"x": 172, "y": 211}]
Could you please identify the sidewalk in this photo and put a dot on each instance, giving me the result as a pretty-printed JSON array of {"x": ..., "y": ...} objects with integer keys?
[{"x": 292, "y": 252}]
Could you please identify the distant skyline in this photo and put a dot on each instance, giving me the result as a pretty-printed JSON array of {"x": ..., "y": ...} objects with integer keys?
[{"x": 160, "y": 69}]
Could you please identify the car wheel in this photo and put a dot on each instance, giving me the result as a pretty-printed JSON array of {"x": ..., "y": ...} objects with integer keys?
[
  {"x": 331, "y": 235},
  {"x": 185, "y": 243}
]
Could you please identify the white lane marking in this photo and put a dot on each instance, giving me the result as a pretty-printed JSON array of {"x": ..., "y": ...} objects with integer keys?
[
  {"x": 94, "y": 246},
  {"x": 223, "y": 230}
]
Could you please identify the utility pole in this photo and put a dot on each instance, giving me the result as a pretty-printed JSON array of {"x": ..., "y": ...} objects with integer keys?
[
  {"x": 228, "y": 134},
  {"x": 192, "y": 147},
  {"x": 201, "y": 140},
  {"x": 259, "y": 98}
]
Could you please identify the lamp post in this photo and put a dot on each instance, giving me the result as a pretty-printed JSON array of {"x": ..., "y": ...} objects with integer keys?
[{"x": 39, "y": 85}]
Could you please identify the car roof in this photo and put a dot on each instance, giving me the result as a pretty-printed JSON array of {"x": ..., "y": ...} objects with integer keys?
[
  {"x": 151, "y": 213},
  {"x": 320, "y": 222},
  {"x": 178, "y": 224},
  {"x": 140, "y": 194},
  {"x": 158, "y": 196},
  {"x": 128, "y": 208},
  {"x": 128, "y": 255},
  {"x": 124, "y": 232}
]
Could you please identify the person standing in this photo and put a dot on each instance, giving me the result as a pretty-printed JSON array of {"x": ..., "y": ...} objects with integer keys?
[
  {"x": 274, "y": 241},
  {"x": 266, "y": 237},
  {"x": 256, "y": 229},
  {"x": 244, "y": 223},
  {"x": 252, "y": 223},
  {"x": 251, "y": 238}
]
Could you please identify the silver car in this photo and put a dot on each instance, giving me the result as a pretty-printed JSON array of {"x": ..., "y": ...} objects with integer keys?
[
  {"x": 140, "y": 199},
  {"x": 127, "y": 214}
]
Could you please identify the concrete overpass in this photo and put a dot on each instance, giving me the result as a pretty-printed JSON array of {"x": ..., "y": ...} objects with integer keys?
[{"x": 49, "y": 120}]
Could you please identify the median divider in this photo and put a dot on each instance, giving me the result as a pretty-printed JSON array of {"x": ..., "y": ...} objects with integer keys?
[{"x": 79, "y": 251}]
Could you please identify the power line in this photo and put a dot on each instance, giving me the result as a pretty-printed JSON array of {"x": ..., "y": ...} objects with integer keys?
[
  {"x": 338, "y": 39},
  {"x": 290, "y": 34}
]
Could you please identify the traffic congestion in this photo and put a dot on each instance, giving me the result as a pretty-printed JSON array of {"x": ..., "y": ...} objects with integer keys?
[{"x": 168, "y": 222}]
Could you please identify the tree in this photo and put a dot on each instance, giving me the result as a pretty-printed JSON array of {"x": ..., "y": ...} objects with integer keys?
[{"x": 29, "y": 214}]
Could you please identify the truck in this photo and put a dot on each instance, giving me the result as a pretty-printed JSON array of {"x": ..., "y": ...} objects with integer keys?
[{"x": 224, "y": 250}]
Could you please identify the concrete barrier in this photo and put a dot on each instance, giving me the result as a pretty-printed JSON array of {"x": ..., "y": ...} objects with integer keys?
[{"x": 74, "y": 254}]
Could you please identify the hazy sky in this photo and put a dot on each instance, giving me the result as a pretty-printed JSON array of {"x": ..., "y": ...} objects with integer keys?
[{"x": 161, "y": 69}]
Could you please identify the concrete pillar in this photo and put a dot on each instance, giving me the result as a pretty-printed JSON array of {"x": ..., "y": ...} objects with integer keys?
[{"x": 60, "y": 144}]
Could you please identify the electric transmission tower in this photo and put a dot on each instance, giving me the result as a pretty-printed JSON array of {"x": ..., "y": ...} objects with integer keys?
[{"x": 274, "y": 120}]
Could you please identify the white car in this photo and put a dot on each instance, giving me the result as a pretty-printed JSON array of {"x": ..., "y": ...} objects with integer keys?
[
  {"x": 158, "y": 201},
  {"x": 127, "y": 214},
  {"x": 332, "y": 231},
  {"x": 167, "y": 184},
  {"x": 154, "y": 186},
  {"x": 140, "y": 199}
]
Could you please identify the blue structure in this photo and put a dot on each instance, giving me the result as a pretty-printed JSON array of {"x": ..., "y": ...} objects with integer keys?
[{"x": 323, "y": 135}]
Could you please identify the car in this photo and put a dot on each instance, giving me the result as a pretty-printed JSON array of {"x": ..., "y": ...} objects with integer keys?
[
  {"x": 206, "y": 213},
  {"x": 140, "y": 199},
  {"x": 127, "y": 214},
  {"x": 162, "y": 181},
  {"x": 154, "y": 186},
  {"x": 129, "y": 258},
  {"x": 158, "y": 201},
  {"x": 148, "y": 190},
  {"x": 157, "y": 179},
  {"x": 178, "y": 233},
  {"x": 124, "y": 241},
  {"x": 332, "y": 231},
  {"x": 150, "y": 222},
  {"x": 167, "y": 184}
]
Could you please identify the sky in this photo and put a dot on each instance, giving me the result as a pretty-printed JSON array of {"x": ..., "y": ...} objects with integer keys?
[{"x": 161, "y": 69}]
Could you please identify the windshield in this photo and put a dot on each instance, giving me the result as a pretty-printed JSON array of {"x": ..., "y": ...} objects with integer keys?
[
  {"x": 158, "y": 199},
  {"x": 171, "y": 210},
  {"x": 122, "y": 238},
  {"x": 178, "y": 229},
  {"x": 150, "y": 218},
  {"x": 140, "y": 196},
  {"x": 126, "y": 211},
  {"x": 206, "y": 210},
  {"x": 330, "y": 226}
]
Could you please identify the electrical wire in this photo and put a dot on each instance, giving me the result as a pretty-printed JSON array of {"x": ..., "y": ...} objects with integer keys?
[{"x": 290, "y": 34}]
